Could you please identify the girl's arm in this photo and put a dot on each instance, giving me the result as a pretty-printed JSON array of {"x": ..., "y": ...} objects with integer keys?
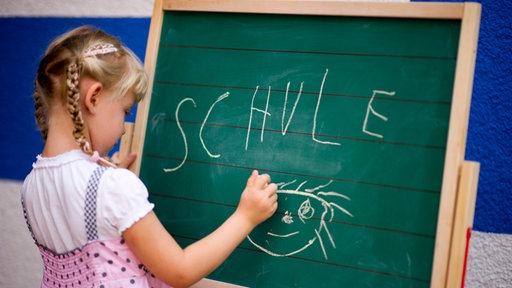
[{"x": 178, "y": 267}]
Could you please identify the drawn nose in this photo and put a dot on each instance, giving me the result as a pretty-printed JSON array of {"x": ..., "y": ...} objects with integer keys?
[{"x": 287, "y": 218}]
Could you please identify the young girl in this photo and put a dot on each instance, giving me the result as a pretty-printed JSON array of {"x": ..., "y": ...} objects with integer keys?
[{"x": 91, "y": 221}]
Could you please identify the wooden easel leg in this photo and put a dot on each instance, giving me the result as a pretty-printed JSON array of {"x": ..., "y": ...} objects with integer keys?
[
  {"x": 125, "y": 146},
  {"x": 463, "y": 222}
]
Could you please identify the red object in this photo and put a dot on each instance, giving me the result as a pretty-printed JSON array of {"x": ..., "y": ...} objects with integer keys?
[{"x": 468, "y": 236}]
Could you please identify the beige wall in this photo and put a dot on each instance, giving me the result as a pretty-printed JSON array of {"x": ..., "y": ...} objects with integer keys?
[{"x": 20, "y": 263}]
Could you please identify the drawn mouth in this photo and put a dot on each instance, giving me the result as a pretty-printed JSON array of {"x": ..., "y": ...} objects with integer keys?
[{"x": 283, "y": 235}]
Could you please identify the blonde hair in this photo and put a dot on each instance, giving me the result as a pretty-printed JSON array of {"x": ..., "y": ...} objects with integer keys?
[{"x": 68, "y": 58}]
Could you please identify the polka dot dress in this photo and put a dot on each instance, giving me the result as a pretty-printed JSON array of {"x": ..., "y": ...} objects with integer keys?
[{"x": 100, "y": 263}]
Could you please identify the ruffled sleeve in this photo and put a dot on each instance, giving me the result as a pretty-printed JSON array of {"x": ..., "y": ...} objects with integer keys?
[{"x": 122, "y": 200}]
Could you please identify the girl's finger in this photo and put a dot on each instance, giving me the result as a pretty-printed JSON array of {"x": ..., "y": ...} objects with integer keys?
[{"x": 263, "y": 180}]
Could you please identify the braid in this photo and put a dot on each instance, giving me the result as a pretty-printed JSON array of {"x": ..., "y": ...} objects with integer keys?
[
  {"x": 40, "y": 115},
  {"x": 73, "y": 94}
]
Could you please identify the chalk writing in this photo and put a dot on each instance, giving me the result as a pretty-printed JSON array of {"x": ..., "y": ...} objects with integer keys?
[
  {"x": 182, "y": 134},
  {"x": 316, "y": 113},
  {"x": 285, "y": 128},
  {"x": 370, "y": 111},
  {"x": 265, "y": 113},
  {"x": 221, "y": 97}
]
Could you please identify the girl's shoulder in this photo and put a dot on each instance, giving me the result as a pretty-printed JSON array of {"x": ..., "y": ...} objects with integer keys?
[
  {"x": 122, "y": 198},
  {"x": 68, "y": 171},
  {"x": 121, "y": 178},
  {"x": 66, "y": 158}
]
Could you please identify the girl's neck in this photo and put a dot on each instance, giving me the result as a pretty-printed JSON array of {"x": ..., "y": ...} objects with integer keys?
[
  {"x": 57, "y": 144},
  {"x": 60, "y": 135}
]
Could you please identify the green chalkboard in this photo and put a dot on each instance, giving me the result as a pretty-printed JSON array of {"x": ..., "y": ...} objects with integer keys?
[{"x": 349, "y": 115}]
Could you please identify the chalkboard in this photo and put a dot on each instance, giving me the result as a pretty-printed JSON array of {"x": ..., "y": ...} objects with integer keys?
[{"x": 351, "y": 113}]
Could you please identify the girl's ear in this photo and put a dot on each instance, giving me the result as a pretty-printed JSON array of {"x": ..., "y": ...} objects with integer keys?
[{"x": 92, "y": 97}]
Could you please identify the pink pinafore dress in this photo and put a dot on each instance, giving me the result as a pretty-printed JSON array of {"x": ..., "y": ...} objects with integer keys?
[{"x": 100, "y": 263}]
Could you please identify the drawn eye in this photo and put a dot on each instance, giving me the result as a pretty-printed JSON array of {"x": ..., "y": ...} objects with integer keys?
[{"x": 305, "y": 210}]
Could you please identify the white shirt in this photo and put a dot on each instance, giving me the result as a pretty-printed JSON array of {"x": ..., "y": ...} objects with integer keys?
[{"x": 55, "y": 199}]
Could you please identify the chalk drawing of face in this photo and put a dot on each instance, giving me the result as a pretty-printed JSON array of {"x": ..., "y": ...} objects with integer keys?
[{"x": 301, "y": 227}]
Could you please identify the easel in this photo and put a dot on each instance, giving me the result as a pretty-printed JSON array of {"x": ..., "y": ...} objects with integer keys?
[{"x": 456, "y": 210}]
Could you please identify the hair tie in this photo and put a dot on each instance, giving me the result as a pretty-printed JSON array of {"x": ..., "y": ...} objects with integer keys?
[{"x": 95, "y": 157}]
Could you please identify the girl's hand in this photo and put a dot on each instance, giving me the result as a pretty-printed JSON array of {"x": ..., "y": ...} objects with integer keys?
[
  {"x": 123, "y": 163},
  {"x": 259, "y": 199},
  {"x": 178, "y": 267}
]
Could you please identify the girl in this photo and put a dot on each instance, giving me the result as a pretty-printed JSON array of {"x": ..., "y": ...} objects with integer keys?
[{"x": 91, "y": 221}]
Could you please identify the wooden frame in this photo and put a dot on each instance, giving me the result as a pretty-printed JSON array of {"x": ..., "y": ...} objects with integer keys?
[{"x": 457, "y": 197}]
